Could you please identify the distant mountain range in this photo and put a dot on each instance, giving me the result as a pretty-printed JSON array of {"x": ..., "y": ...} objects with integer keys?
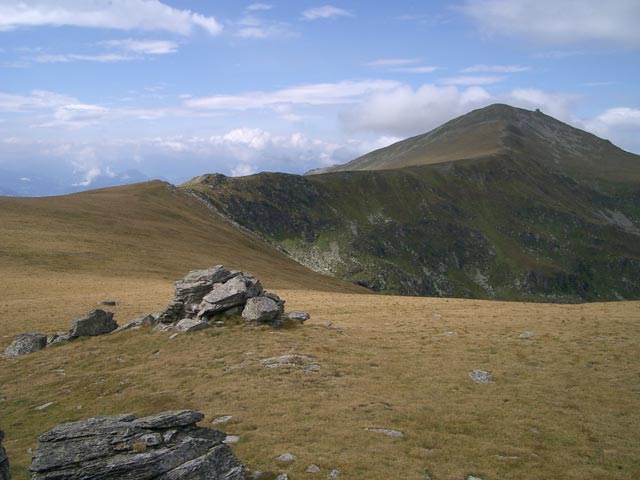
[
  {"x": 31, "y": 184},
  {"x": 500, "y": 203}
]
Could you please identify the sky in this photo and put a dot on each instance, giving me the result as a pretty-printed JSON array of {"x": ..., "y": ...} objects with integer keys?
[{"x": 92, "y": 90}]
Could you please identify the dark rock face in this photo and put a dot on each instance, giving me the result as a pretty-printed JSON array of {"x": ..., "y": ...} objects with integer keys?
[
  {"x": 96, "y": 322},
  {"x": 167, "y": 446},
  {"x": 4, "y": 461},
  {"x": 26, "y": 343}
]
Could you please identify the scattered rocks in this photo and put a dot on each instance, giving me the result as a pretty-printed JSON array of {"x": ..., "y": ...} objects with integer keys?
[
  {"x": 168, "y": 446},
  {"x": 526, "y": 335},
  {"x": 282, "y": 476},
  {"x": 286, "y": 458},
  {"x": 313, "y": 468},
  {"x": 26, "y": 343},
  {"x": 44, "y": 406},
  {"x": 333, "y": 474},
  {"x": 386, "y": 431},
  {"x": 222, "y": 419},
  {"x": 471, "y": 477},
  {"x": 191, "y": 325},
  {"x": 95, "y": 322},
  {"x": 480, "y": 376},
  {"x": 108, "y": 303},
  {"x": 292, "y": 360},
  {"x": 5, "y": 474}
]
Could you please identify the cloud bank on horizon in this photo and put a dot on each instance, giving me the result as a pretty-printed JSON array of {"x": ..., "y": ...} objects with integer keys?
[{"x": 94, "y": 91}]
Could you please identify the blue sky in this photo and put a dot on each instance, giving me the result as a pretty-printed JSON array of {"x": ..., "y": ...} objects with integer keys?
[{"x": 173, "y": 89}]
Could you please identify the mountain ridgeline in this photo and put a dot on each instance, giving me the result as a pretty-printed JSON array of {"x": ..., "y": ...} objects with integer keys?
[{"x": 500, "y": 203}]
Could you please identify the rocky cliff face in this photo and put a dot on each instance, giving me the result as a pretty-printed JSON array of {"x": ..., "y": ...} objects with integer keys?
[{"x": 521, "y": 224}]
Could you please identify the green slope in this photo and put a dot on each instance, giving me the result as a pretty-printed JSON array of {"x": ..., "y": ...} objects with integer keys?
[{"x": 542, "y": 219}]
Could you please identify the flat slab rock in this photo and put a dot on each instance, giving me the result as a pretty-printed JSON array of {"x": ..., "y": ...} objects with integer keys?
[
  {"x": 167, "y": 446},
  {"x": 26, "y": 343}
]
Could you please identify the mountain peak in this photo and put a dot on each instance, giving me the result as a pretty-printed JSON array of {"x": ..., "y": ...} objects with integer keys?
[{"x": 501, "y": 129}]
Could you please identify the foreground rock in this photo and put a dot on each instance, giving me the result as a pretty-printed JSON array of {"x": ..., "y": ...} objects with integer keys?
[
  {"x": 231, "y": 294},
  {"x": 95, "y": 322},
  {"x": 167, "y": 446},
  {"x": 262, "y": 309},
  {"x": 4, "y": 461},
  {"x": 480, "y": 376},
  {"x": 26, "y": 343}
]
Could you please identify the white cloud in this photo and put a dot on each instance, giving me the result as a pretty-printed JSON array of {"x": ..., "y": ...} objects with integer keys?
[
  {"x": 621, "y": 125},
  {"x": 472, "y": 80},
  {"x": 251, "y": 26},
  {"x": 559, "y": 22},
  {"x": 326, "y": 11},
  {"x": 37, "y": 99},
  {"x": 557, "y": 105},
  {"x": 72, "y": 57},
  {"x": 393, "y": 62},
  {"x": 311, "y": 94},
  {"x": 115, "y": 14},
  {"x": 422, "y": 69},
  {"x": 259, "y": 6},
  {"x": 404, "y": 111},
  {"x": 77, "y": 115},
  {"x": 243, "y": 169},
  {"x": 495, "y": 69},
  {"x": 148, "y": 47}
]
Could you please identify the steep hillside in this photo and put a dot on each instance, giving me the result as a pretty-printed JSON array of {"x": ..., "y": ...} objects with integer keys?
[
  {"x": 554, "y": 217},
  {"x": 148, "y": 230}
]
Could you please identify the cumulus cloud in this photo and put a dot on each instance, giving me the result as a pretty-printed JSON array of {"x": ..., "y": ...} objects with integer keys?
[
  {"x": 559, "y": 22},
  {"x": 621, "y": 125},
  {"x": 326, "y": 11},
  {"x": 404, "y": 111},
  {"x": 310, "y": 94},
  {"x": 115, "y": 14}
]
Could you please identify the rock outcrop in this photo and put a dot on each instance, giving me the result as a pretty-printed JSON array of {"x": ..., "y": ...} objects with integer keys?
[
  {"x": 216, "y": 293},
  {"x": 5, "y": 474},
  {"x": 95, "y": 322},
  {"x": 26, "y": 343},
  {"x": 166, "y": 446}
]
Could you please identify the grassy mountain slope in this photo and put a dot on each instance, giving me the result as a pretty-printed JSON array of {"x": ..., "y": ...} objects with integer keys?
[
  {"x": 521, "y": 224},
  {"x": 502, "y": 129},
  {"x": 148, "y": 229}
]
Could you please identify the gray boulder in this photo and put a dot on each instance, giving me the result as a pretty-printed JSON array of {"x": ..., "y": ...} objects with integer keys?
[
  {"x": 230, "y": 294},
  {"x": 139, "y": 322},
  {"x": 26, "y": 343},
  {"x": 95, "y": 322},
  {"x": 5, "y": 474},
  {"x": 167, "y": 446},
  {"x": 261, "y": 309},
  {"x": 191, "y": 325},
  {"x": 190, "y": 291}
]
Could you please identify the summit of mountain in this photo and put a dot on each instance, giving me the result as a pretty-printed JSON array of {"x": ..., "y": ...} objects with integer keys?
[{"x": 501, "y": 129}]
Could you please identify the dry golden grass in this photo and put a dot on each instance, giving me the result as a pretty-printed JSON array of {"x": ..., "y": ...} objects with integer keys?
[{"x": 564, "y": 404}]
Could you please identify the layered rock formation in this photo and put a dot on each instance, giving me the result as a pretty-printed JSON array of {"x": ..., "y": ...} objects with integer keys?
[{"x": 166, "y": 446}]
